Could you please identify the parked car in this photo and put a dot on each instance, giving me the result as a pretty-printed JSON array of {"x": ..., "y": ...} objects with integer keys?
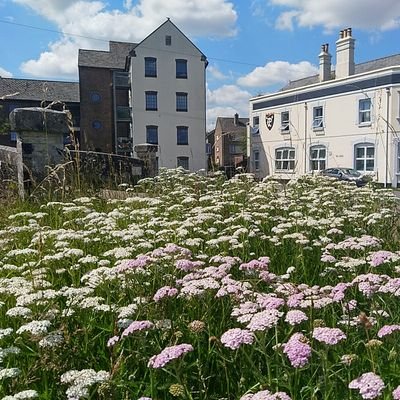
[{"x": 346, "y": 174}]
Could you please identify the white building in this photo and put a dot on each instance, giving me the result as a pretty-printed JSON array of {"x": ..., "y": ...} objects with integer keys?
[
  {"x": 346, "y": 118},
  {"x": 168, "y": 97}
]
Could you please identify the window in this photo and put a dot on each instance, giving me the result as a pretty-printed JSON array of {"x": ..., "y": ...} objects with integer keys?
[
  {"x": 181, "y": 69},
  {"x": 255, "y": 128},
  {"x": 364, "y": 111},
  {"x": 150, "y": 67},
  {"x": 151, "y": 101},
  {"x": 256, "y": 160},
  {"x": 398, "y": 157},
  {"x": 317, "y": 158},
  {"x": 285, "y": 122},
  {"x": 181, "y": 102},
  {"x": 96, "y": 124},
  {"x": 318, "y": 118},
  {"x": 121, "y": 79},
  {"x": 152, "y": 134},
  {"x": 168, "y": 40},
  {"x": 364, "y": 157},
  {"x": 123, "y": 113},
  {"x": 182, "y": 162},
  {"x": 235, "y": 148},
  {"x": 285, "y": 159},
  {"x": 95, "y": 97},
  {"x": 182, "y": 135}
]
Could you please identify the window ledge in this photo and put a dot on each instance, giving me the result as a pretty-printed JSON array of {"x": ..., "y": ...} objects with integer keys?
[
  {"x": 364, "y": 124},
  {"x": 318, "y": 129}
]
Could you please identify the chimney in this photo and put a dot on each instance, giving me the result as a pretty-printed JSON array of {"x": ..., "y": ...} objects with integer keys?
[
  {"x": 236, "y": 119},
  {"x": 345, "y": 54},
  {"x": 324, "y": 63}
]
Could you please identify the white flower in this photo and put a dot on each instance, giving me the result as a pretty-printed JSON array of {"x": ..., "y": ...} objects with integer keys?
[{"x": 36, "y": 328}]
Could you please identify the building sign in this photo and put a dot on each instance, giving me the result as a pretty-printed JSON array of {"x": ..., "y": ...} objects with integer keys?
[{"x": 269, "y": 120}]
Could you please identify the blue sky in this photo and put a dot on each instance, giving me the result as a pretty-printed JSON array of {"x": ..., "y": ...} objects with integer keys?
[{"x": 253, "y": 46}]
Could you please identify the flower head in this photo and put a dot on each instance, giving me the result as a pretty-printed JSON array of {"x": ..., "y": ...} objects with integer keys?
[
  {"x": 233, "y": 338},
  {"x": 298, "y": 350},
  {"x": 169, "y": 354},
  {"x": 329, "y": 336},
  {"x": 369, "y": 385}
]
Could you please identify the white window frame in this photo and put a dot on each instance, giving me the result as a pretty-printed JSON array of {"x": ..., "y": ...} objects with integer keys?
[
  {"x": 285, "y": 162},
  {"x": 319, "y": 160},
  {"x": 363, "y": 112},
  {"x": 365, "y": 158},
  {"x": 318, "y": 120},
  {"x": 285, "y": 123}
]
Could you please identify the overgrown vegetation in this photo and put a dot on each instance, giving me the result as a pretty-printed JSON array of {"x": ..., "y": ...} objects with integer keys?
[{"x": 201, "y": 288}]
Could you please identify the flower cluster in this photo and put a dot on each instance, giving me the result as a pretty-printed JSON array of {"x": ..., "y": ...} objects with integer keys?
[
  {"x": 169, "y": 354},
  {"x": 369, "y": 385},
  {"x": 298, "y": 350},
  {"x": 235, "y": 337}
]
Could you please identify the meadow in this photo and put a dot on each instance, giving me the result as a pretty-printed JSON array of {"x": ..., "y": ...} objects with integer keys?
[{"x": 202, "y": 288}]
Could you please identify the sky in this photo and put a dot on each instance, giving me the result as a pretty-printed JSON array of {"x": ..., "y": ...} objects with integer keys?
[{"x": 253, "y": 46}]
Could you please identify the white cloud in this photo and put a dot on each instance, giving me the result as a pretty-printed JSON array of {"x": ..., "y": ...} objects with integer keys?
[
  {"x": 4, "y": 73},
  {"x": 225, "y": 101},
  {"x": 216, "y": 73},
  {"x": 362, "y": 14},
  {"x": 131, "y": 23},
  {"x": 277, "y": 72}
]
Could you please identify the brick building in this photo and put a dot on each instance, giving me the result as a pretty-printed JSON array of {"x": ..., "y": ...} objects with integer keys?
[{"x": 104, "y": 99}]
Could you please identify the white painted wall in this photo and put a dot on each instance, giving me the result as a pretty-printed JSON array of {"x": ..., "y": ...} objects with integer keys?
[
  {"x": 342, "y": 130},
  {"x": 166, "y": 85}
]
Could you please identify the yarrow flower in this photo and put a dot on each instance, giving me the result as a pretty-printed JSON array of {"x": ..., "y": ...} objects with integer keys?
[
  {"x": 136, "y": 326},
  {"x": 396, "y": 393},
  {"x": 266, "y": 395},
  {"x": 165, "y": 291},
  {"x": 25, "y": 394},
  {"x": 112, "y": 341},
  {"x": 264, "y": 320},
  {"x": 233, "y": 338},
  {"x": 329, "y": 336},
  {"x": 388, "y": 330},
  {"x": 168, "y": 354},
  {"x": 295, "y": 317},
  {"x": 298, "y": 350},
  {"x": 369, "y": 385}
]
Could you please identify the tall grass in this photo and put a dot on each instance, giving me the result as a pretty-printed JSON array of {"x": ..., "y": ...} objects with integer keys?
[{"x": 199, "y": 288}]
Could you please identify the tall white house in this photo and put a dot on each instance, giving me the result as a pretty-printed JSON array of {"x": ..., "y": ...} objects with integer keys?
[
  {"x": 168, "y": 97},
  {"x": 346, "y": 117}
]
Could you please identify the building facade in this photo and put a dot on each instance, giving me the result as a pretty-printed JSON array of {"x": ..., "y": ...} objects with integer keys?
[
  {"x": 168, "y": 97},
  {"x": 229, "y": 148},
  {"x": 106, "y": 118},
  {"x": 349, "y": 117}
]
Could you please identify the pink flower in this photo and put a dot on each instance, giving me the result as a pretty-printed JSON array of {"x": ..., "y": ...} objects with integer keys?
[
  {"x": 264, "y": 320},
  {"x": 381, "y": 257},
  {"x": 233, "y": 338},
  {"x": 165, "y": 291},
  {"x": 188, "y": 265},
  {"x": 396, "y": 393},
  {"x": 169, "y": 354},
  {"x": 369, "y": 385},
  {"x": 298, "y": 350},
  {"x": 137, "y": 326},
  {"x": 295, "y": 317},
  {"x": 387, "y": 330},
  {"x": 255, "y": 265},
  {"x": 112, "y": 341},
  {"x": 329, "y": 336},
  {"x": 266, "y": 395}
]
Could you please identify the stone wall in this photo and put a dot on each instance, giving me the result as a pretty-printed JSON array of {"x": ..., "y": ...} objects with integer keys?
[{"x": 11, "y": 171}]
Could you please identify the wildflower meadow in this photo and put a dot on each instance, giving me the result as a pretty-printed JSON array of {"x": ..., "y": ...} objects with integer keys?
[{"x": 202, "y": 288}]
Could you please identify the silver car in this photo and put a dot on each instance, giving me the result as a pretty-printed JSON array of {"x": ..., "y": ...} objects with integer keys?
[{"x": 346, "y": 174}]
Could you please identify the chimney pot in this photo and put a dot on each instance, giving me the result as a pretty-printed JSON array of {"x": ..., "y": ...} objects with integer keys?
[
  {"x": 348, "y": 31},
  {"x": 341, "y": 35},
  {"x": 236, "y": 119}
]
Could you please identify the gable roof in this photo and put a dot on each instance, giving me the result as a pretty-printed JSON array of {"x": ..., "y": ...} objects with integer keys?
[
  {"x": 168, "y": 21},
  {"x": 228, "y": 124},
  {"x": 114, "y": 58},
  {"x": 368, "y": 66},
  {"x": 39, "y": 90}
]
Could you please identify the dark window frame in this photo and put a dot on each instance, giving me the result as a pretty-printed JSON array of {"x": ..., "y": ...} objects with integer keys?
[
  {"x": 181, "y": 102},
  {"x": 182, "y": 135},
  {"x": 151, "y": 101},
  {"x": 152, "y": 130},
  {"x": 181, "y": 71},
  {"x": 150, "y": 67}
]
